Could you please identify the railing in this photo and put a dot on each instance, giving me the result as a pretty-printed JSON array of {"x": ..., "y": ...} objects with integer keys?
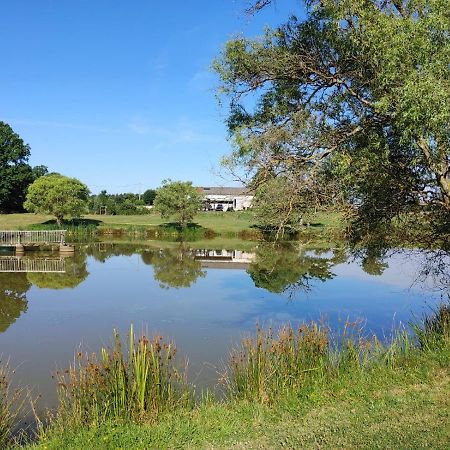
[
  {"x": 17, "y": 264},
  {"x": 12, "y": 238}
]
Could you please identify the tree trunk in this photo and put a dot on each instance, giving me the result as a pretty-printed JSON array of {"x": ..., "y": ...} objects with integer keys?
[
  {"x": 441, "y": 169},
  {"x": 444, "y": 184}
]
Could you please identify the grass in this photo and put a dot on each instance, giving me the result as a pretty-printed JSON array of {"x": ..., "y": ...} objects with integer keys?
[
  {"x": 11, "y": 406},
  {"x": 399, "y": 413},
  {"x": 295, "y": 388},
  {"x": 225, "y": 224}
]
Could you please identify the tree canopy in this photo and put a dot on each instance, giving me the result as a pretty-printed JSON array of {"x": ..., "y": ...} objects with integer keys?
[
  {"x": 179, "y": 200},
  {"x": 149, "y": 196},
  {"x": 15, "y": 172},
  {"x": 358, "y": 92},
  {"x": 57, "y": 195}
]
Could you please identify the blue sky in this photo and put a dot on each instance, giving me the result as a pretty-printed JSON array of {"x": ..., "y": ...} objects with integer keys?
[{"x": 119, "y": 93}]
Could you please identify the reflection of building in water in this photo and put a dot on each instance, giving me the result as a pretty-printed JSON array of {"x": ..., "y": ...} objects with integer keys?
[
  {"x": 36, "y": 265},
  {"x": 224, "y": 259}
]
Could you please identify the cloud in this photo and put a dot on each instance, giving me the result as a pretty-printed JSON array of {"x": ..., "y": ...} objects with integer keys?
[
  {"x": 183, "y": 131},
  {"x": 202, "y": 81}
]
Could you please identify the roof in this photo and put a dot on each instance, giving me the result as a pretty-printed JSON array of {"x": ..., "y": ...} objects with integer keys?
[{"x": 224, "y": 190}]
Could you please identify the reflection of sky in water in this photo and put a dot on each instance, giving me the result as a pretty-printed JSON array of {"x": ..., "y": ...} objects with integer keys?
[{"x": 204, "y": 320}]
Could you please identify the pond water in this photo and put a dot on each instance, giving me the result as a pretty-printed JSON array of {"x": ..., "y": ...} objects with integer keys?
[{"x": 204, "y": 296}]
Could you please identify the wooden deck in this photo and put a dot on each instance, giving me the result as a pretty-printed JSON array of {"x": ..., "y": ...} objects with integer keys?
[
  {"x": 39, "y": 265},
  {"x": 41, "y": 237}
]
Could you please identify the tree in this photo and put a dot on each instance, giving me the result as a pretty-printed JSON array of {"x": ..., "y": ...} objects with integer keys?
[
  {"x": 281, "y": 203},
  {"x": 57, "y": 195},
  {"x": 359, "y": 90},
  {"x": 149, "y": 196},
  {"x": 15, "y": 172},
  {"x": 179, "y": 200}
]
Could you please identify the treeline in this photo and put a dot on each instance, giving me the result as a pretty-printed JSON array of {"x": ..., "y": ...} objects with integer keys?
[
  {"x": 16, "y": 174},
  {"x": 121, "y": 204}
]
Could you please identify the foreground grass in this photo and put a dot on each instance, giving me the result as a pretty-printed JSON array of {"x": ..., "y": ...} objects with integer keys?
[{"x": 402, "y": 410}]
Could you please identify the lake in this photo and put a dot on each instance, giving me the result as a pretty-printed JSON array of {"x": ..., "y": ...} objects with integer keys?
[{"x": 203, "y": 295}]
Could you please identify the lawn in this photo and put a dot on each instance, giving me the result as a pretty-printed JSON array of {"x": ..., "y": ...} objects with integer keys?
[
  {"x": 220, "y": 222},
  {"x": 402, "y": 411}
]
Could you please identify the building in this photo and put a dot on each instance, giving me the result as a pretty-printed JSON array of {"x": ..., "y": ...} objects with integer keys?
[
  {"x": 224, "y": 198},
  {"x": 224, "y": 259}
]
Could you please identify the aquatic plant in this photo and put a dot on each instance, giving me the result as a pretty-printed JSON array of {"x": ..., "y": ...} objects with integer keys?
[
  {"x": 433, "y": 332},
  {"x": 291, "y": 360},
  {"x": 11, "y": 406},
  {"x": 114, "y": 386}
]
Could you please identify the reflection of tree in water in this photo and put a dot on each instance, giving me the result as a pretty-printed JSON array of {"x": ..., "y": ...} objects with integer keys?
[
  {"x": 101, "y": 251},
  {"x": 373, "y": 263},
  {"x": 13, "y": 299},
  {"x": 434, "y": 273},
  {"x": 280, "y": 268},
  {"x": 176, "y": 268},
  {"x": 76, "y": 272}
]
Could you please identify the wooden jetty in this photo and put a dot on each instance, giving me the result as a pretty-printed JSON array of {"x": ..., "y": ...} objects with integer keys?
[
  {"x": 38, "y": 265},
  {"x": 21, "y": 239}
]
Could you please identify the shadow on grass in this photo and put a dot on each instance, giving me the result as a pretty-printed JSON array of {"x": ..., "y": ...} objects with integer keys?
[
  {"x": 74, "y": 222},
  {"x": 192, "y": 232}
]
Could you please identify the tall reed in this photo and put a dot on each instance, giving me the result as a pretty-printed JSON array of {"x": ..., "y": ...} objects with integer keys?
[
  {"x": 11, "y": 406},
  {"x": 272, "y": 364},
  {"x": 433, "y": 332},
  {"x": 114, "y": 386}
]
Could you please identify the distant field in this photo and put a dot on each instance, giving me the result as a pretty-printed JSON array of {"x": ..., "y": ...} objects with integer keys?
[{"x": 220, "y": 222}]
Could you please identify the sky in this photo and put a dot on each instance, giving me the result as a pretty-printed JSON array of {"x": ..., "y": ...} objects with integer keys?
[{"x": 119, "y": 93}]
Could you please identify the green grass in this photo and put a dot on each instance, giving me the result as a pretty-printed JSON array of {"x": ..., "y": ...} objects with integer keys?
[
  {"x": 294, "y": 389},
  {"x": 400, "y": 412},
  {"x": 11, "y": 406},
  {"x": 239, "y": 223}
]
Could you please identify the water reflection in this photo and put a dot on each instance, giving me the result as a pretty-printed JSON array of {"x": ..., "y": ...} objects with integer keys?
[
  {"x": 175, "y": 267},
  {"x": 277, "y": 268},
  {"x": 74, "y": 274},
  {"x": 13, "y": 298},
  {"x": 289, "y": 267}
]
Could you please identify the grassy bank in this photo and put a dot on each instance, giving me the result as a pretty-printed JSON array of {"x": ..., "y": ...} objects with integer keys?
[
  {"x": 207, "y": 224},
  {"x": 290, "y": 388}
]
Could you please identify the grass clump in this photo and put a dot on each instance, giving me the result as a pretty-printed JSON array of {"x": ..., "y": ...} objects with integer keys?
[
  {"x": 269, "y": 365},
  {"x": 11, "y": 407},
  {"x": 118, "y": 387},
  {"x": 433, "y": 332},
  {"x": 295, "y": 360}
]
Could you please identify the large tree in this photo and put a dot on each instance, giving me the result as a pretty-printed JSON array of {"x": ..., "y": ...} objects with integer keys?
[
  {"x": 179, "y": 200},
  {"x": 15, "y": 172},
  {"x": 57, "y": 195},
  {"x": 359, "y": 91}
]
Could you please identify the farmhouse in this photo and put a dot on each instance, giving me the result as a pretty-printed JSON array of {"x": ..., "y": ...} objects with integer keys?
[{"x": 225, "y": 198}]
